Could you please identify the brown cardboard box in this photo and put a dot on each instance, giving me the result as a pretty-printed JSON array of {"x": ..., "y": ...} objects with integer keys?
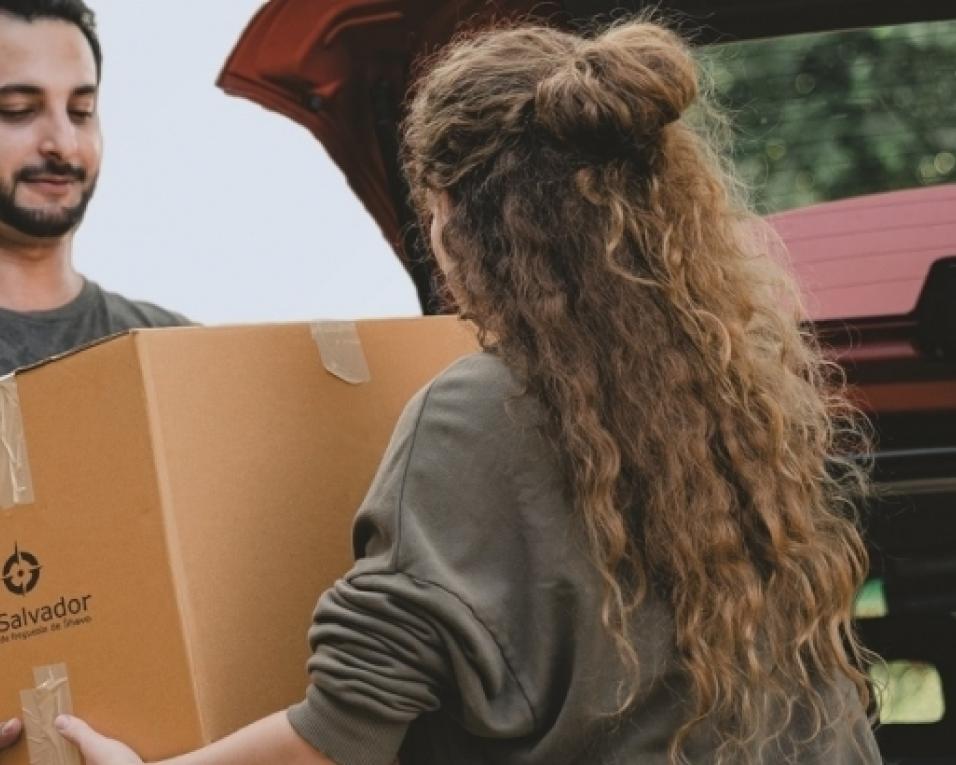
[{"x": 194, "y": 490}]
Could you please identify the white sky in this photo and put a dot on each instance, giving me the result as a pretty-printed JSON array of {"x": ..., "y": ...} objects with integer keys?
[{"x": 211, "y": 205}]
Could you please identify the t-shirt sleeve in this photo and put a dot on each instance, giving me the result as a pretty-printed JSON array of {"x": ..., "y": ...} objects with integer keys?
[
  {"x": 400, "y": 635},
  {"x": 154, "y": 316}
]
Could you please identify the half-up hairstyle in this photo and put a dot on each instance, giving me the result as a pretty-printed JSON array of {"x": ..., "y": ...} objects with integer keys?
[{"x": 599, "y": 241}]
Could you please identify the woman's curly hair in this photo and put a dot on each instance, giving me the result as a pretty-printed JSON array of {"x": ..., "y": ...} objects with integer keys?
[{"x": 596, "y": 236}]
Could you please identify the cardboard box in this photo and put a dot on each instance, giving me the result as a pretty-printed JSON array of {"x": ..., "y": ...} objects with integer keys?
[{"x": 193, "y": 496}]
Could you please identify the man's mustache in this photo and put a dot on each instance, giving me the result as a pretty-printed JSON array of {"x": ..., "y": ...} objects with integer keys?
[{"x": 51, "y": 168}]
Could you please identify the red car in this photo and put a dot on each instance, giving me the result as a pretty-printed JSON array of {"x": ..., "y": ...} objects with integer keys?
[{"x": 878, "y": 269}]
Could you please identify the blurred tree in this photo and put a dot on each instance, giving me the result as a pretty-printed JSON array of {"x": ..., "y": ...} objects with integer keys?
[{"x": 840, "y": 114}]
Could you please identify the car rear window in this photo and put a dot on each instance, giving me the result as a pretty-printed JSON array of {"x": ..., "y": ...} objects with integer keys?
[{"x": 832, "y": 115}]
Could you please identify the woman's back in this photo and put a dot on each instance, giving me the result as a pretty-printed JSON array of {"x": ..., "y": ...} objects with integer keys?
[
  {"x": 587, "y": 222},
  {"x": 475, "y": 596}
]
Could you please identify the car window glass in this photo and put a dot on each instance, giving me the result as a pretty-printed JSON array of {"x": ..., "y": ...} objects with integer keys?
[{"x": 833, "y": 115}]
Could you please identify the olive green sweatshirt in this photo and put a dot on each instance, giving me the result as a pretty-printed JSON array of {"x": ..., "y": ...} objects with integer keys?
[{"x": 469, "y": 629}]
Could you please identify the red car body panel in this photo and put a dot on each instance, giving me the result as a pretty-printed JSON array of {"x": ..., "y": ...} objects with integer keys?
[
  {"x": 869, "y": 256},
  {"x": 862, "y": 265}
]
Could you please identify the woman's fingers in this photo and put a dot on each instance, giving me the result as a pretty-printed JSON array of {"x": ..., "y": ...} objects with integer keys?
[
  {"x": 10, "y": 732},
  {"x": 96, "y": 749}
]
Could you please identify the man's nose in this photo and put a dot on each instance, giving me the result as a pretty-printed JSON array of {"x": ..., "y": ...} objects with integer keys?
[{"x": 59, "y": 138}]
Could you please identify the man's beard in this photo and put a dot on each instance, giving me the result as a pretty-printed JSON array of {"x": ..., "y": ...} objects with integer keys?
[{"x": 39, "y": 223}]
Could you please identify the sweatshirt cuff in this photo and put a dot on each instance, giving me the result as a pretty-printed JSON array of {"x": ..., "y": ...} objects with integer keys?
[{"x": 345, "y": 734}]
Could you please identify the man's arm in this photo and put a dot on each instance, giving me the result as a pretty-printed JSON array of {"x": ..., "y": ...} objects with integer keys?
[{"x": 266, "y": 742}]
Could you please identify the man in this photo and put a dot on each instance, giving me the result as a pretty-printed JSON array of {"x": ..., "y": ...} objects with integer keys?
[{"x": 50, "y": 151}]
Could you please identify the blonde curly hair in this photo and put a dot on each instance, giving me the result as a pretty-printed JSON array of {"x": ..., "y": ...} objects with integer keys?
[{"x": 598, "y": 239}]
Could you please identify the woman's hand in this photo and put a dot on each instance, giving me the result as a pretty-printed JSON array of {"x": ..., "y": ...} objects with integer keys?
[
  {"x": 270, "y": 740},
  {"x": 96, "y": 749}
]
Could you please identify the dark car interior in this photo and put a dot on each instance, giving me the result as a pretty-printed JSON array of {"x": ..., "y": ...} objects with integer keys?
[{"x": 911, "y": 522}]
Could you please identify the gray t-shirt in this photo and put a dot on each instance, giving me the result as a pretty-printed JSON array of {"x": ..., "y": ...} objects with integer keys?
[
  {"x": 469, "y": 630},
  {"x": 32, "y": 336}
]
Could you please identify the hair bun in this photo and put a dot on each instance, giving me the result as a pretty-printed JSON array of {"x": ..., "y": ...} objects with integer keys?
[{"x": 618, "y": 91}]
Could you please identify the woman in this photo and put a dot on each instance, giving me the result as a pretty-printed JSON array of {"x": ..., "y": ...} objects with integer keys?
[{"x": 623, "y": 534}]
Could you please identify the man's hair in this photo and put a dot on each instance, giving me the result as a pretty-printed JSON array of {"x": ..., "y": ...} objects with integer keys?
[{"x": 72, "y": 11}]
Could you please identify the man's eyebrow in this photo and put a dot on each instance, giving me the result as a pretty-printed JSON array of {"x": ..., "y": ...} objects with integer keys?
[{"x": 17, "y": 89}]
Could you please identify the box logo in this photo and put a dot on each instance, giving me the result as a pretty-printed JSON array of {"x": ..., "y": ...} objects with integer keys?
[{"x": 21, "y": 572}]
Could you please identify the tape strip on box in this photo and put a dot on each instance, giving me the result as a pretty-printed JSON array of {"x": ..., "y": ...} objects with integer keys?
[
  {"x": 41, "y": 706},
  {"x": 341, "y": 349},
  {"x": 16, "y": 483}
]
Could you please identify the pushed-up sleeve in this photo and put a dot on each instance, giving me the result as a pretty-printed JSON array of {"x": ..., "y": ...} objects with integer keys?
[{"x": 414, "y": 626}]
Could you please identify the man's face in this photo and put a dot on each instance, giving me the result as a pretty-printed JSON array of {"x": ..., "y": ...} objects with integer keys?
[{"x": 50, "y": 141}]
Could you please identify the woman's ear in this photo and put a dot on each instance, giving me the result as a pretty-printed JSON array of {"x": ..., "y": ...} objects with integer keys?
[{"x": 439, "y": 208}]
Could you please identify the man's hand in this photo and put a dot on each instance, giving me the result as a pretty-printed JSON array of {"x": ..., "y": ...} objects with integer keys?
[
  {"x": 96, "y": 749},
  {"x": 10, "y": 732}
]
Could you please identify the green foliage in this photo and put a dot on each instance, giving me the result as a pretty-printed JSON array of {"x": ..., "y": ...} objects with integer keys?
[{"x": 840, "y": 114}]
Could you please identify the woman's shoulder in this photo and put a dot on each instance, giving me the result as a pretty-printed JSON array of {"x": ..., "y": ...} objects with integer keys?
[
  {"x": 481, "y": 388},
  {"x": 483, "y": 374},
  {"x": 475, "y": 400}
]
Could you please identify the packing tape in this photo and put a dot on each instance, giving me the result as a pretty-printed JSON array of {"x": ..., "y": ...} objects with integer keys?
[
  {"x": 16, "y": 483},
  {"x": 341, "y": 350},
  {"x": 41, "y": 705}
]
